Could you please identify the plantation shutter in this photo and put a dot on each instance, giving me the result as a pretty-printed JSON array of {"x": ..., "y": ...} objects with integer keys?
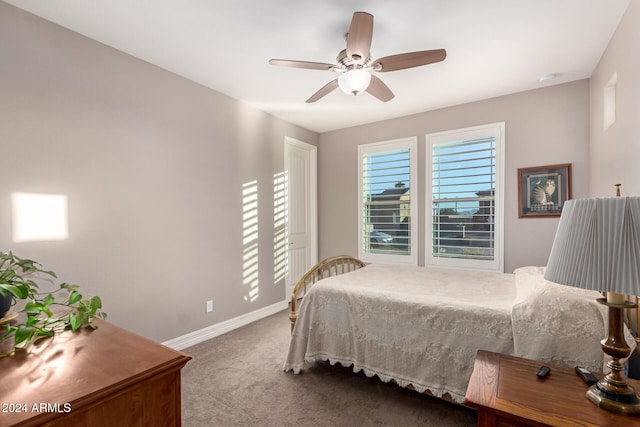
[
  {"x": 386, "y": 201},
  {"x": 463, "y": 199}
]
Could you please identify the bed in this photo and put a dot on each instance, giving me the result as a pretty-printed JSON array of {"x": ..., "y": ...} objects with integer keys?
[{"x": 421, "y": 327}]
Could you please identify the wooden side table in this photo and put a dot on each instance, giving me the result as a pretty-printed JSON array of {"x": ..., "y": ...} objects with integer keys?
[
  {"x": 102, "y": 377},
  {"x": 506, "y": 392}
]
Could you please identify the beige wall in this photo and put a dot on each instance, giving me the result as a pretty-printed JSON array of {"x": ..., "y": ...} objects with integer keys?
[
  {"x": 153, "y": 166},
  {"x": 543, "y": 127},
  {"x": 615, "y": 152}
]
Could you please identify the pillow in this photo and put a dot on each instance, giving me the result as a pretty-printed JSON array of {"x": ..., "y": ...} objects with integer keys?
[
  {"x": 558, "y": 324},
  {"x": 527, "y": 280}
]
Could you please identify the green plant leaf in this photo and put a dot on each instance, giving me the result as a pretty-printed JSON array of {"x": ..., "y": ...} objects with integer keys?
[
  {"x": 48, "y": 300},
  {"x": 22, "y": 334},
  {"x": 75, "y": 321},
  {"x": 69, "y": 287},
  {"x": 7, "y": 275},
  {"x": 96, "y": 303},
  {"x": 19, "y": 291},
  {"x": 44, "y": 333},
  {"x": 50, "y": 273},
  {"x": 32, "y": 321},
  {"x": 74, "y": 297},
  {"x": 12, "y": 289},
  {"x": 31, "y": 284},
  {"x": 33, "y": 308}
]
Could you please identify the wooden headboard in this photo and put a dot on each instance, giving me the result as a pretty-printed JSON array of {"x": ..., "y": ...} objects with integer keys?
[{"x": 332, "y": 266}]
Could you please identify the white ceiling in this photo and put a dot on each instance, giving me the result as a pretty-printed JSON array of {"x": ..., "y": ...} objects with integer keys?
[{"x": 494, "y": 47}]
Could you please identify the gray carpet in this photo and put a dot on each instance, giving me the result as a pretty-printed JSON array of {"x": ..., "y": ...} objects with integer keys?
[{"x": 236, "y": 379}]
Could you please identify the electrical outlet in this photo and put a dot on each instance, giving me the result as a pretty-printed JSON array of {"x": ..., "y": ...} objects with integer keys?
[{"x": 209, "y": 306}]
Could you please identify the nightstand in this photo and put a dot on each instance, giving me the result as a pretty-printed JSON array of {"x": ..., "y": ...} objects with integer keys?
[{"x": 506, "y": 392}]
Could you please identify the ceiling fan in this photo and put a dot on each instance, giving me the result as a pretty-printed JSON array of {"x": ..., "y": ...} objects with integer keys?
[{"x": 356, "y": 66}]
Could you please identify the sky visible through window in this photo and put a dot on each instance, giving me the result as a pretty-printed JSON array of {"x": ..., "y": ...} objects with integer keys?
[
  {"x": 463, "y": 172},
  {"x": 384, "y": 170}
]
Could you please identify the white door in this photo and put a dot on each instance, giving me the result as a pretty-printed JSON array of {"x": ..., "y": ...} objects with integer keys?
[{"x": 300, "y": 165}]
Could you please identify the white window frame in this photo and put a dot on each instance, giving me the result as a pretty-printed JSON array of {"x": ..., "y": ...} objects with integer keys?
[
  {"x": 376, "y": 147},
  {"x": 498, "y": 131}
]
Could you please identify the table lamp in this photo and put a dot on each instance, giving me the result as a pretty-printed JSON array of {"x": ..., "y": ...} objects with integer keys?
[{"x": 597, "y": 247}]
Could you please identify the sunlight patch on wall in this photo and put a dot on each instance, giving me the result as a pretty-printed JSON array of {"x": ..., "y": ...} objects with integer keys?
[
  {"x": 250, "y": 239},
  {"x": 39, "y": 217},
  {"x": 280, "y": 221},
  {"x": 610, "y": 102}
]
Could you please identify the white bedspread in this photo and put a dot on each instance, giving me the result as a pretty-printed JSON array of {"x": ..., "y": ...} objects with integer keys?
[
  {"x": 423, "y": 326},
  {"x": 417, "y": 326},
  {"x": 559, "y": 324}
]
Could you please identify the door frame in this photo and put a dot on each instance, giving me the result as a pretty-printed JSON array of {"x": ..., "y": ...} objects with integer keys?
[{"x": 313, "y": 204}]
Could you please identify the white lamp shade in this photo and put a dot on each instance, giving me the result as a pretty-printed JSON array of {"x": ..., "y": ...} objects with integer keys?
[
  {"x": 354, "y": 81},
  {"x": 597, "y": 245}
]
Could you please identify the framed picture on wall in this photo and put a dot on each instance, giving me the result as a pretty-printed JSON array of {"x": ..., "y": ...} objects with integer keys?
[{"x": 542, "y": 190}]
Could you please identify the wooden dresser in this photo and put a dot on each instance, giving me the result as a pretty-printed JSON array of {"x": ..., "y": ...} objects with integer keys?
[
  {"x": 506, "y": 392},
  {"x": 103, "y": 377}
]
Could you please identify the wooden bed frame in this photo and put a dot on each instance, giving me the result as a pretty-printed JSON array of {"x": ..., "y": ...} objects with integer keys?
[{"x": 328, "y": 267}]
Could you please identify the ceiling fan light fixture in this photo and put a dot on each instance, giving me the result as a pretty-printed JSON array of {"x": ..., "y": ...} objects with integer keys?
[{"x": 354, "y": 81}]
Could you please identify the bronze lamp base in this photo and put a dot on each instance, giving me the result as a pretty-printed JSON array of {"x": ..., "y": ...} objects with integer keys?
[
  {"x": 612, "y": 392},
  {"x": 623, "y": 403}
]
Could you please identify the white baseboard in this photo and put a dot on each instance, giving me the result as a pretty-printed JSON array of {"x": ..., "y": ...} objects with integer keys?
[{"x": 196, "y": 337}]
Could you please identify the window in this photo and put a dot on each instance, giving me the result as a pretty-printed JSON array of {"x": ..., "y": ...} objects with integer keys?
[
  {"x": 464, "y": 208},
  {"x": 387, "y": 207}
]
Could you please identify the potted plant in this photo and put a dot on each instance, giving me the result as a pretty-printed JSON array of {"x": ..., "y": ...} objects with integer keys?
[
  {"x": 42, "y": 313},
  {"x": 5, "y": 302}
]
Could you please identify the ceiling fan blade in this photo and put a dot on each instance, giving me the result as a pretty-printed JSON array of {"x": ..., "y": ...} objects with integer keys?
[
  {"x": 410, "y": 60},
  {"x": 380, "y": 90},
  {"x": 324, "y": 90},
  {"x": 359, "y": 37},
  {"x": 302, "y": 64}
]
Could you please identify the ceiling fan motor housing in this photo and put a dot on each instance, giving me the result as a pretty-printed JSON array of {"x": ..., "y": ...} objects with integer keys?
[{"x": 347, "y": 62}]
